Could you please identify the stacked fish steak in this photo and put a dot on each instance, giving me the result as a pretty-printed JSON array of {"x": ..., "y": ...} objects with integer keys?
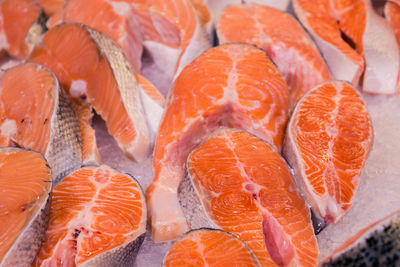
[{"x": 255, "y": 135}]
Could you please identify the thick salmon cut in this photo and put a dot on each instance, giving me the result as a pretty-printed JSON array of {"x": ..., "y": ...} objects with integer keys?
[
  {"x": 234, "y": 85},
  {"x": 333, "y": 22},
  {"x": 376, "y": 245},
  {"x": 209, "y": 247},
  {"x": 21, "y": 25},
  {"x": 113, "y": 18},
  {"x": 392, "y": 14},
  {"x": 243, "y": 186},
  {"x": 25, "y": 183},
  {"x": 172, "y": 34},
  {"x": 92, "y": 69},
  {"x": 97, "y": 218},
  {"x": 36, "y": 114},
  {"x": 282, "y": 38},
  {"x": 116, "y": 20},
  {"x": 210, "y": 11},
  {"x": 328, "y": 140}
]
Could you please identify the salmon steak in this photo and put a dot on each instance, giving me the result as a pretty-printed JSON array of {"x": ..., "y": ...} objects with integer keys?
[
  {"x": 25, "y": 184},
  {"x": 210, "y": 247},
  {"x": 113, "y": 18},
  {"x": 377, "y": 244},
  {"x": 93, "y": 70},
  {"x": 209, "y": 11},
  {"x": 172, "y": 35},
  {"x": 392, "y": 14},
  {"x": 116, "y": 20},
  {"x": 348, "y": 33},
  {"x": 235, "y": 85},
  {"x": 36, "y": 114},
  {"x": 97, "y": 218},
  {"x": 328, "y": 140},
  {"x": 282, "y": 38},
  {"x": 21, "y": 26},
  {"x": 244, "y": 187}
]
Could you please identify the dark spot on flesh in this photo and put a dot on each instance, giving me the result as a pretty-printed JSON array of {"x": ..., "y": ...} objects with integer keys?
[
  {"x": 255, "y": 196},
  {"x": 348, "y": 40},
  {"x": 22, "y": 121},
  {"x": 83, "y": 97},
  {"x": 23, "y": 208},
  {"x": 45, "y": 121},
  {"x": 76, "y": 233}
]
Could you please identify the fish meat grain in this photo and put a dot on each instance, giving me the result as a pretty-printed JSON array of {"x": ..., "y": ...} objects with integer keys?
[
  {"x": 328, "y": 140},
  {"x": 36, "y": 114},
  {"x": 244, "y": 187},
  {"x": 210, "y": 247},
  {"x": 235, "y": 85},
  {"x": 25, "y": 184},
  {"x": 282, "y": 38},
  {"x": 97, "y": 218}
]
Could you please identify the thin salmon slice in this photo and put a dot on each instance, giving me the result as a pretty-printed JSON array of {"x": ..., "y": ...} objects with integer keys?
[
  {"x": 21, "y": 25},
  {"x": 282, "y": 38},
  {"x": 97, "y": 218},
  {"x": 331, "y": 22},
  {"x": 234, "y": 85},
  {"x": 244, "y": 187},
  {"x": 392, "y": 14},
  {"x": 25, "y": 184},
  {"x": 172, "y": 32},
  {"x": 35, "y": 114},
  {"x": 209, "y": 247},
  {"x": 328, "y": 140},
  {"x": 93, "y": 69},
  {"x": 377, "y": 244}
]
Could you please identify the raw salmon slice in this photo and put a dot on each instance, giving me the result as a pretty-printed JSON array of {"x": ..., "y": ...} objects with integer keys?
[
  {"x": 21, "y": 25},
  {"x": 93, "y": 69},
  {"x": 173, "y": 34},
  {"x": 392, "y": 14},
  {"x": 116, "y": 20},
  {"x": 113, "y": 18},
  {"x": 243, "y": 186},
  {"x": 209, "y": 247},
  {"x": 97, "y": 218},
  {"x": 328, "y": 140},
  {"x": 25, "y": 184},
  {"x": 234, "y": 85},
  {"x": 210, "y": 10},
  {"x": 331, "y": 22},
  {"x": 35, "y": 114},
  {"x": 376, "y": 245},
  {"x": 282, "y": 38}
]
